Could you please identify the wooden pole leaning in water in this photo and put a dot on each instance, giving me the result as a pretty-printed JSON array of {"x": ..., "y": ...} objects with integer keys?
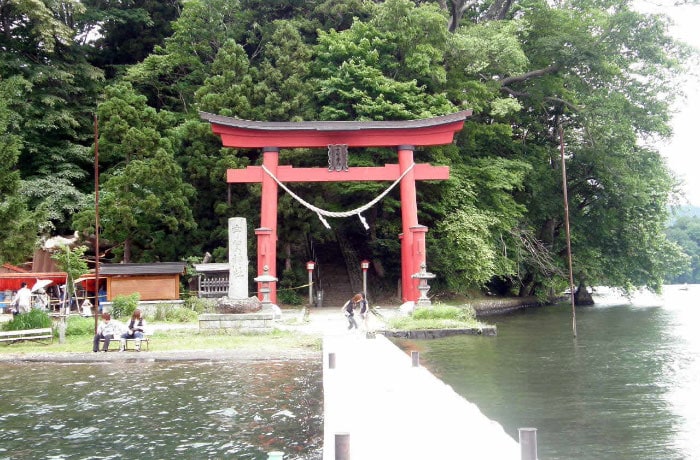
[{"x": 568, "y": 230}]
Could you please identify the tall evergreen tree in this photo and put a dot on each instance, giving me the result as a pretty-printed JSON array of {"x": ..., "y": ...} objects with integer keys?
[
  {"x": 52, "y": 110},
  {"x": 18, "y": 231},
  {"x": 126, "y": 31},
  {"x": 144, "y": 201}
]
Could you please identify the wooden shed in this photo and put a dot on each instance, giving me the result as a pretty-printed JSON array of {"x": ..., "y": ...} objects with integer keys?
[{"x": 156, "y": 281}]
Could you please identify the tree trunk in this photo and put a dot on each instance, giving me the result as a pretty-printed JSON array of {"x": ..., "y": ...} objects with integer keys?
[
  {"x": 127, "y": 251},
  {"x": 288, "y": 256},
  {"x": 498, "y": 10},
  {"x": 526, "y": 285}
]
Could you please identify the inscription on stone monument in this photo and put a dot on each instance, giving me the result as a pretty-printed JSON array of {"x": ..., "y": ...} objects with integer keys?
[{"x": 237, "y": 258}]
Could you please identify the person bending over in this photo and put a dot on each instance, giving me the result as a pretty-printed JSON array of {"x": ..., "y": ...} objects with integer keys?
[{"x": 349, "y": 310}]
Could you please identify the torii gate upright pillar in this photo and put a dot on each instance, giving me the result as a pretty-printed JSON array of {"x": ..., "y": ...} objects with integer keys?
[
  {"x": 402, "y": 135},
  {"x": 267, "y": 233},
  {"x": 409, "y": 219}
]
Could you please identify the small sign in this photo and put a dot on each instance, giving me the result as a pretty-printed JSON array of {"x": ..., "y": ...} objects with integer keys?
[{"x": 338, "y": 157}]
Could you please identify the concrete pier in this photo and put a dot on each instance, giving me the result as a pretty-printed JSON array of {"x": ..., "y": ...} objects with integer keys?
[{"x": 379, "y": 405}]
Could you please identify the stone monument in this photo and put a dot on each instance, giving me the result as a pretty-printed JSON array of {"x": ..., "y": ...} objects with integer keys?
[
  {"x": 237, "y": 258},
  {"x": 237, "y": 311}
]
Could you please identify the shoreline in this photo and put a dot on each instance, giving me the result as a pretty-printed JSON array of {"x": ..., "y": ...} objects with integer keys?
[
  {"x": 213, "y": 355},
  {"x": 320, "y": 322}
]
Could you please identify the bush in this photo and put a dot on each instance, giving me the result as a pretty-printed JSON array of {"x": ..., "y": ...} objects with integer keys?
[
  {"x": 438, "y": 317},
  {"x": 33, "y": 320},
  {"x": 200, "y": 305},
  {"x": 289, "y": 297},
  {"x": 174, "y": 314},
  {"x": 123, "y": 306},
  {"x": 77, "y": 326},
  {"x": 445, "y": 312}
]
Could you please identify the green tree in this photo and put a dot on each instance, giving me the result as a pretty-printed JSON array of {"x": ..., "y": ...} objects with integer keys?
[
  {"x": 72, "y": 261},
  {"x": 52, "y": 107},
  {"x": 685, "y": 232},
  {"x": 608, "y": 90},
  {"x": 377, "y": 70},
  {"x": 283, "y": 90},
  {"x": 171, "y": 75},
  {"x": 18, "y": 231},
  {"x": 595, "y": 69},
  {"x": 128, "y": 30},
  {"x": 144, "y": 201}
]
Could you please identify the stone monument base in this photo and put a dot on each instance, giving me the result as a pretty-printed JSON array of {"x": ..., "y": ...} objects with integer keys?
[{"x": 226, "y": 305}]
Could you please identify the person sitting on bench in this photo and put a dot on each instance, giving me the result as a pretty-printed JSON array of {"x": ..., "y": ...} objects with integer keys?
[
  {"x": 136, "y": 331},
  {"x": 106, "y": 330}
]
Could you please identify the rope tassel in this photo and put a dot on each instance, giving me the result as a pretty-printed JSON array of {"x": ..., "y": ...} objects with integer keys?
[
  {"x": 325, "y": 222},
  {"x": 363, "y": 220}
]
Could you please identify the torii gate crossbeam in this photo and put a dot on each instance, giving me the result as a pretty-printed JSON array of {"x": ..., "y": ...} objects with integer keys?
[{"x": 403, "y": 135}]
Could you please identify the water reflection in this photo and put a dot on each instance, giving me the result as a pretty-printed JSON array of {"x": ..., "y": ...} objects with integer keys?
[
  {"x": 622, "y": 390},
  {"x": 161, "y": 410}
]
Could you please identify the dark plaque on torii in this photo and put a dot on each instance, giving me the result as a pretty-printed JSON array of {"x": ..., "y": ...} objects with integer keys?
[{"x": 338, "y": 157}]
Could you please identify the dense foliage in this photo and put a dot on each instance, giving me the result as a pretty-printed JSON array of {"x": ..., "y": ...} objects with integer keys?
[
  {"x": 685, "y": 232},
  {"x": 123, "y": 306},
  {"x": 593, "y": 78},
  {"x": 34, "y": 319}
]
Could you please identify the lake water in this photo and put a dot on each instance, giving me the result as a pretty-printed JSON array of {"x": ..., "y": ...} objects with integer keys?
[
  {"x": 626, "y": 388},
  {"x": 198, "y": 410}
]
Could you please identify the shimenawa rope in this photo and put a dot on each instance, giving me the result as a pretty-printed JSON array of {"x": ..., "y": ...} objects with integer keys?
[{"x": 322, "y": 212}]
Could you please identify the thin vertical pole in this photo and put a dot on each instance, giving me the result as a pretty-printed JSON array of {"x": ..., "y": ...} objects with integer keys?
[
  {"x": 97, "y": 226},
  {"x": 568, "y": 230},
  {"x": 311, "y": 288}
]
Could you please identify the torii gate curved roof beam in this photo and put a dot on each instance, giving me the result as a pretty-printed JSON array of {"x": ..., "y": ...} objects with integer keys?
[{"x": 235, "y": 132}]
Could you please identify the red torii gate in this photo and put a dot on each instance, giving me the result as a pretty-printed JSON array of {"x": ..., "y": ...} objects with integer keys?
[{"x": 404, "y": 135}]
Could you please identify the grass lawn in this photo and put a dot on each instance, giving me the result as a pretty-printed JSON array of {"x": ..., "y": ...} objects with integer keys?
[
  {"x": 179, "y": 340},
  {"x": 440, "y": 316}
]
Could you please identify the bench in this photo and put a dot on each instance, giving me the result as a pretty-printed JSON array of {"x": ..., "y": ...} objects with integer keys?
[
  {"x": 27, "y": 334},
  {"x": 116, "y": 341}
]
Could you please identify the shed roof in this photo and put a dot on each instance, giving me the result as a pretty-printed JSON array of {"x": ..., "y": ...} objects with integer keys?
[
  {"x": 9, "y": 268},
  {"x": 159, "y": 268}
]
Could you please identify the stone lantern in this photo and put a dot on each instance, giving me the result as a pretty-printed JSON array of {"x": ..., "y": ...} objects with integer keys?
[
  {"x": 265, "y": 279},
  {"x": 423, "y": 276}
]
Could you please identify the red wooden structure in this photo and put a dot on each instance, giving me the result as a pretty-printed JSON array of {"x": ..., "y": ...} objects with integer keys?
[
  {"x": 13, "y": 281},
  {"x": 403, "y": 135}
]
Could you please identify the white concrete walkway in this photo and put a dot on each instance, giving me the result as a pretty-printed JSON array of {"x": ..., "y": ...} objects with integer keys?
[{"x": 393, "y": 410}]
